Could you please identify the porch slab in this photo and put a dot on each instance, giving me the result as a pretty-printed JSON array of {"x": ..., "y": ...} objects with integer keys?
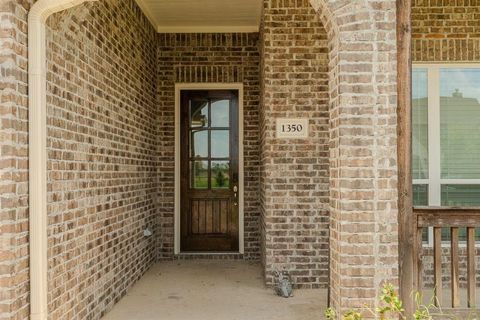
[{"x": 210, "y": 290}]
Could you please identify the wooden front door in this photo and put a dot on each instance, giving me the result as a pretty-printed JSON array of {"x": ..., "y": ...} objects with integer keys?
[{"x": 209, "y": 171}]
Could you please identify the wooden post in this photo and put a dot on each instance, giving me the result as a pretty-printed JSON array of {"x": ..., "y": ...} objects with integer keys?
[
  {"x": 454, "y": 268},
  {"x": 437, "y": 266},
  {"x": 407, "y": 225},
  {"x": 471, "y": 274}
]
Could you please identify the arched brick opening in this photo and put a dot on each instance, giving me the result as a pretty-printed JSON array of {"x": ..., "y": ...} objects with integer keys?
[
  {"x": 79, "y": 113},
  {"x": 362, "y": 135},
  {"x": 92, "y": 154},
  {"x": 96, "y": 249},
  {"x": 363, "y": 161},
  {"x": 363, "y": 145}
]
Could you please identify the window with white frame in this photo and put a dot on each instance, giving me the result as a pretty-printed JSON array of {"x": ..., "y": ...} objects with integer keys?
[{"x": 446, "y": 136}]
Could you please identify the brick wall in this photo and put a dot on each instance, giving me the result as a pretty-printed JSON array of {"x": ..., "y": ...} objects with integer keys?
[
  {"x": 14, "y": 275},
  {"x": 101, "y": 147},
  {"x": 106, "y": 131},
  {"x": 295, "y": 173},
  {"x": 446, "y": 30},
  {"x": 428, "y": 263},
  {"x": 201, "y": 58}
]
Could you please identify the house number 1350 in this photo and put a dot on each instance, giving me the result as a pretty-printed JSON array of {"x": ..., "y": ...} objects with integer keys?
[{"x": 292, "y": 128}]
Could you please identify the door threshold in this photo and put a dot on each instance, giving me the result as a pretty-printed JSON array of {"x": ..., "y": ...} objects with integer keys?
[
  {"x": 209, "y": 256},
  {"x": 204, "y": 253}
]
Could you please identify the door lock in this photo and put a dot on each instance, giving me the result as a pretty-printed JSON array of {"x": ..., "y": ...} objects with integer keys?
[{"x": 235, "y": 191}]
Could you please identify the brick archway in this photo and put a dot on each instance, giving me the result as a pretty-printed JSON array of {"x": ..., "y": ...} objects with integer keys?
[
  {"x": 363, "y": 176},
  {"x": 363, "y": 145},
  {"x": 363, "y": 170},
  {"x": 37, "y": 101}
]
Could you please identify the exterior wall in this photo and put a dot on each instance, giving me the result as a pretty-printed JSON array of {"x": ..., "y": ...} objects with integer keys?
[
  {"x": 101, "y": 92},
  {"x": 446, "y": 31},
  {"x": 202, "y": 58},
  {"x": 14, "y": 272},
  {"x": 97, "y": 121},
  {"x": 295, "y": 173}
]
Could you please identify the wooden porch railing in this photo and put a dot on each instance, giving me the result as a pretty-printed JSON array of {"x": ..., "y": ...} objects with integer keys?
[{"x": 453, "y": 218}]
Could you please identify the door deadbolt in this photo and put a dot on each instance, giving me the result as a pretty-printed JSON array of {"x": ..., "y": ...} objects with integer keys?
[{"x": 235, "y": 190}]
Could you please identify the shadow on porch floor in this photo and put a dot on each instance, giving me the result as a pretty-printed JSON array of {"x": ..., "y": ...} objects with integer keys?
[{"x": 211, "y": 290}]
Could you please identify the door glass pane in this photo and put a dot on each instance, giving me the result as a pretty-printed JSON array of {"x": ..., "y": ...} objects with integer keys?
[
  {"x": 460, "y": 123},
  {"x": 220, "y": 175},
  {"x": 221, "y": 113},
  {"x": 199, "y": 144},
  {"x": 420, "y": 124},
  {"x": 220, "y": 144},
  {"x": 199, "y": 174},
  {"x": 198, "y": 114}
]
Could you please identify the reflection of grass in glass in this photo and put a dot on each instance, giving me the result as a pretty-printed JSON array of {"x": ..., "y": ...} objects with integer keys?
[
  {"x": 220, "y": 175},
  {"x": 201, "y": 182},
  {"x": 200, "y": 175}
]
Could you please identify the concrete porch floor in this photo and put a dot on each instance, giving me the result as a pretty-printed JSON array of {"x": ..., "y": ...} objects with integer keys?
[{"x": 211, "y": 290}]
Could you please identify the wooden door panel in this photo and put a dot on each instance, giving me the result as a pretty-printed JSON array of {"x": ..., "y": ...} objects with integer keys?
[
  {"x": 210, "y": 216},
  {"x": 209, "y": 171}
]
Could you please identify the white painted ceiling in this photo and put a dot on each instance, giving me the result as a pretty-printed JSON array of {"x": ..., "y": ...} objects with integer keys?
[{"x": 203, "y": 15}]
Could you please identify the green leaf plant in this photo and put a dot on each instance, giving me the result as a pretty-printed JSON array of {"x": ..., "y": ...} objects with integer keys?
[{"x": 391, "y": 308}]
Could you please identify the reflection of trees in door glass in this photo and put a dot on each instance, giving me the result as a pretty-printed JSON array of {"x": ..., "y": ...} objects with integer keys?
[
  {"x": 220, "y": 174},
  {"x": 220, "y": 179},
  {"x": 200, "y": 175}
]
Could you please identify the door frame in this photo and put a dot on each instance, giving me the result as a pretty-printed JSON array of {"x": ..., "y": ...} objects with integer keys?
[{"x": 209, "y": 86}]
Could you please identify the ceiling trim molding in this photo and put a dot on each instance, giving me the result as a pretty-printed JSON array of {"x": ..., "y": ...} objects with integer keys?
[
  {"x": 207, "y": 29},
  {"x": 192, "y": 29},
  {"x": 147, "y": 13}
]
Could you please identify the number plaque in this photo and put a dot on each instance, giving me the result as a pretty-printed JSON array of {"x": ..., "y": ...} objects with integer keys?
[{"x": 292, "y": 128}]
